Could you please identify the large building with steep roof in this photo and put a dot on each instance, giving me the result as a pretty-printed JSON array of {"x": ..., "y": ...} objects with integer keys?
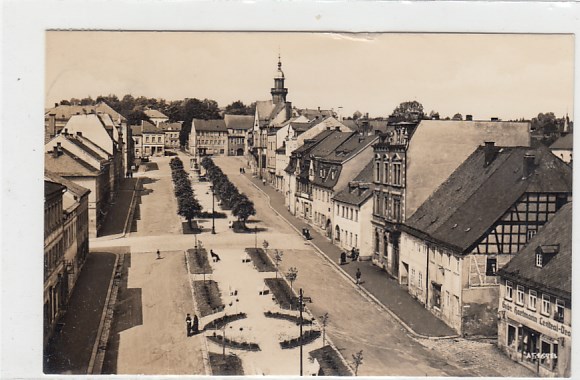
[
  {"x": 474, "y": 223},
  {"x": 238, "y": 127},
  {"x": 535, "y": 300},
  {"x": 412, "y": 160},
  {"x": 156, "y": 117},
  {"x": 208, "y": 137}
]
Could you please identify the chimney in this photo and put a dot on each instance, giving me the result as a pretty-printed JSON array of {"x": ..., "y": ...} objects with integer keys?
[
  {"x": 52, "y": 125},
  {"x": 529, "y": 158},
  {"x": 79, "y": 134},
  {"x": 337, "y": 128},
  {"x": 489, "y": 150},
  {"x": 469, "y": 117},
  {"x": 55, "y": 152}
]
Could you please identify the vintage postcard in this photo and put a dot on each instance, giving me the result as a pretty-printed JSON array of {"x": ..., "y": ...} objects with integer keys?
[
  {"x": 334, "y": 204},
  {"x": 277, "y": 189}
]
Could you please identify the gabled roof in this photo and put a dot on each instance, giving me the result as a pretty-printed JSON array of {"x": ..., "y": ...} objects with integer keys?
[
  {"x": 51, "y": 188},
  {"x": 68, "y": 165},
  {"x": 65, "y": 112},
  {"x": 475, "y": 196},
  {"x": 313, "y": 114},
  {"x": 168, "y": 127},
  {"x": 350, "y": 147},
  {"x": 329, "y": 144},
  {"x": 82, "y": 144},
  {"x": 72, "y": 187},
  {"x": 148, "y": 127},
  {"x": 437, "y": 147},
  {"x": 303, "y": 150},
  {"x": 136, "y": 130},
  {"x": 555, "y": 275},
  {"x": 155, "y": 114},
  {"x": 264, "y": 109},
  {"x": 301, "y": 127},
  {"x": 239, "y": 121},
  {"x": 215, "y": 125},
  {"x": 359, "y": 189},
  {"x": 564, "y": 142}
]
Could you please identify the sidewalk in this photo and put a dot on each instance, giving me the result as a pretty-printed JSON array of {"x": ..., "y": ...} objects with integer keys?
[
  {"x": 377, "y": 282},
  {"x": 116, "y": 220},
  {"x": 70, "y": 350}
]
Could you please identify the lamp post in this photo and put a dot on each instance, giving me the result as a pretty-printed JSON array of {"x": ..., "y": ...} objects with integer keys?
[
  {"x": 212, "y": 210},
  {"x": 300, "y": 306}
]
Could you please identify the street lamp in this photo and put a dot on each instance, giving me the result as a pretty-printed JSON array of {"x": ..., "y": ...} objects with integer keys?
[
  {"x": 212, "y": 210},
  {"x": 300, "y": 303},
  {"x": 256, "y": 238}
]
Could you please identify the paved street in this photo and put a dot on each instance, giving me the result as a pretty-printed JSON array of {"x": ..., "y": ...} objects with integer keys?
[{"x": 163, "y": 296}]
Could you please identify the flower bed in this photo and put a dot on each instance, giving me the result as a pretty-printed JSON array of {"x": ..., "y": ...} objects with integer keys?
[
  {"x": 307, "y": 337},
  {"x": 220, "y": 322},
  {"x": 245, "y": 346},
  {"x": 207, "y": 297},
  {"x": 288, "y": 317},
  {"x": 207, "y": 215},
  {"x": 331, "y": 364},
  {"x": 230, "y": 365},
  {"x": 198, "y": 262},
  {"x": 282, "y": 293},
  {"x": 261, "y": 260}
]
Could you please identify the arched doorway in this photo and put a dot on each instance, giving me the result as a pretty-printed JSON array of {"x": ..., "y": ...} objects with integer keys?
[
  {"x": 337, "y": 233},
  {"x": 240, "y": 152},
  {"x": 328, "y": 229}
]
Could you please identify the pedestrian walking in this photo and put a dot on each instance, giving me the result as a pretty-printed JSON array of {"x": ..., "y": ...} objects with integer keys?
[
  {"x": 158, "y": 255},
  {"x": 188, "y": 323},
  {"x": 195, "y": 327},
  {"x": 214, "y": 256},
  {"x": 358, "y": 275}
]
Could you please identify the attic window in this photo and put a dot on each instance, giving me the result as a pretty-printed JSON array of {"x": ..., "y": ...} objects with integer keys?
[{"x": 539, "y": 260}]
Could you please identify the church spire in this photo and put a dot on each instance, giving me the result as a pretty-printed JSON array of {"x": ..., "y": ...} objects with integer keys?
[{"x": 279, "y": 92}]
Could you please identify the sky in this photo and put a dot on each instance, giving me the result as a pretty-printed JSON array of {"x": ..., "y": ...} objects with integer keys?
[{"x": 485, "y": 75}]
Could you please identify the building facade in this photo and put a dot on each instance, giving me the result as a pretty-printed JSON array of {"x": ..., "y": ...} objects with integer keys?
[
  {"x": 208, "y": 138},
  {"x": 238, "y": 127},
  {"x": 535, "y": 310},
  {"x": 475, "y": 223},
  {"x": 153, "y": 140},
  {"x": 171, "y": 131}
]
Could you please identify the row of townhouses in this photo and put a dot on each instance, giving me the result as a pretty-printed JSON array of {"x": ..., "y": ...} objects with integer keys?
[
  {"x": 88, "y": 150},
  {"x": 442, "y": 206},
  {"x": 150, "y": 140}
]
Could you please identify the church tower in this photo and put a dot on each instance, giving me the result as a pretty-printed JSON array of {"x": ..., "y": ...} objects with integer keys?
[{"x": 279, "y": 92}]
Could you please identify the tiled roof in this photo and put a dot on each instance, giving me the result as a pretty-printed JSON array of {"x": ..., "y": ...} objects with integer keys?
[
  {"x": 155, "y": 114},
  {"x": 148, "y": 127},
  {"x": 264, "y": 109},
  {"x": 564, "y": 142},
  {"x": 65, "y": 112},
  {"x": 349, "y": 148},
  {"x": 301, "y": 127},
  {"x": 475, "y": 196},
  {"x": 84, "y": 146},
  {"x": 239, "y": 121},
  {"x": 360, "y": 189},
  {"x": 438, "y": 147},
  {"x": 68, "y": 165},
  {"x": 329, "y": 144},
  {"x": 70, "y": 185},
  {"x": 277, "y": 109},
  {"x": 306, "y": 148},
  {"x": 217, "y": 125},
  {"x": 170, "y": 126},
  {"x": 51, "y": 187},
  {"x": 555, "y": 275},
  {"x": 136, "y": 130},
  {"x": 312, "y": 114}
]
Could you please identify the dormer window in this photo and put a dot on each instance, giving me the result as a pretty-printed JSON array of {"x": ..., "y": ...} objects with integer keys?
[{"x": 539, "y": 260}]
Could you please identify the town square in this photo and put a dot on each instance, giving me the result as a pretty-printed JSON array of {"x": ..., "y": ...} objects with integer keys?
[{"x": 252, "y": 204}]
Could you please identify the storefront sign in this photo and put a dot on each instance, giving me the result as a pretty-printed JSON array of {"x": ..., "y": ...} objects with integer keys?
[{"x": 542, "y": 321}]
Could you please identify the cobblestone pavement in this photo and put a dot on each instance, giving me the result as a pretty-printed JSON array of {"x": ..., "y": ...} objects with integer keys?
[
  {"x": 480, "y": 358},
  {"x": 393, "y": 351}
]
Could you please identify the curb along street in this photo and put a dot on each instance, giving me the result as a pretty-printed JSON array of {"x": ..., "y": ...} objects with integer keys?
[{"x": 361, "y": 289}]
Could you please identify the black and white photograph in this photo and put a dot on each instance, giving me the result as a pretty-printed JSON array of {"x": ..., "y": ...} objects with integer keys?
[{"x": 304, "y": 203}]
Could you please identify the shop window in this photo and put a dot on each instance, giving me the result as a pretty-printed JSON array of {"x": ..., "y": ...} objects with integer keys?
[
  {"x": 511, "y": 336},
  {"x": 491, "y": 268},
  {"x": 520, "y": 295},
  {"x": 437, "y": 296}
]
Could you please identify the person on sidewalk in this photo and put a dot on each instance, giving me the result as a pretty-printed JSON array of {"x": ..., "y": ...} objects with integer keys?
[
  {"x": 358, "y": 275},
  {"x": 195, "y": 326},
  {"x": 158, "y": 255},
  {"x": 214, "y": 256},
  {"x": 188, "y": 323}
]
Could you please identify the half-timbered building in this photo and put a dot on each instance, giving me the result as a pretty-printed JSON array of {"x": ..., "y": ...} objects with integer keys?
[{"x": 473, "y": 224}]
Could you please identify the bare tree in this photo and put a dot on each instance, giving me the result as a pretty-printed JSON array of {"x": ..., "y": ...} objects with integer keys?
[
  {"x": 291, "y": 275},
  {"x": 277, "y": 259},
  {"x": 324, "y": 321},
  {"x": 357, "y": 360}
]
